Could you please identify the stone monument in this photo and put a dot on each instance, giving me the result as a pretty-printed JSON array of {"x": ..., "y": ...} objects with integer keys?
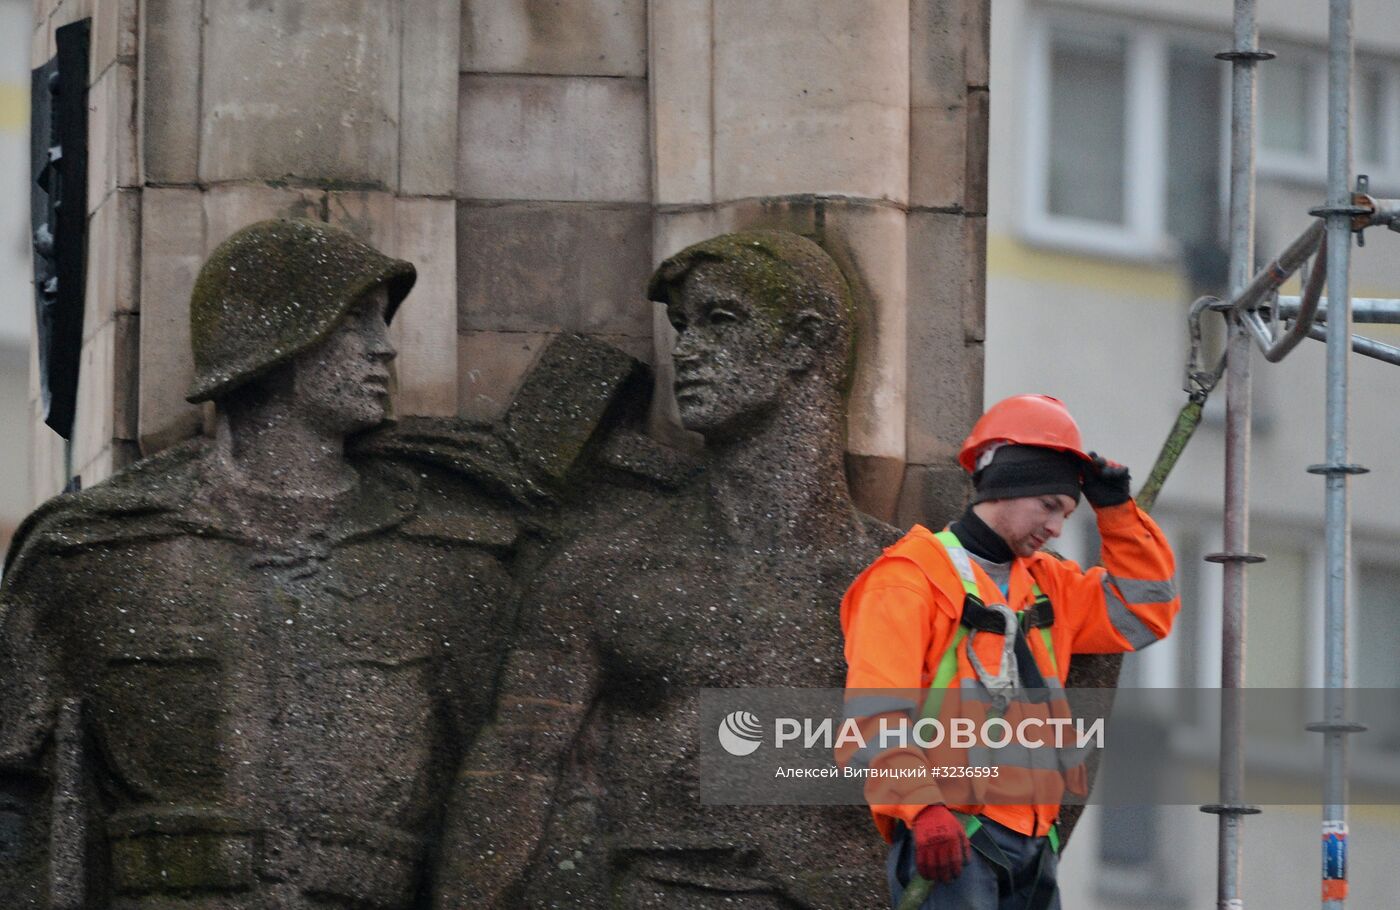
[
  {"x": 241, "y": 673},
  {"x": 583, "y": 791},
  {"x": 263, "y": 669}
]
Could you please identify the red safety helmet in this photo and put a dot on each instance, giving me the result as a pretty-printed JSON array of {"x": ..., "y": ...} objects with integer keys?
[{"x": 1023, "y": 420}]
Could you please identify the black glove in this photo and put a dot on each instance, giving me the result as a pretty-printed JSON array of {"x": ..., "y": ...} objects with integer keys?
[{"x": 1106, "y": 483}]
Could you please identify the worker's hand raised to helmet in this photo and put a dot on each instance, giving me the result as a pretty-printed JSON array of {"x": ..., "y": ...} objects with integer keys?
[
  {"x": 940, "y": 845},
  {"x": 1106, "y": 483}
]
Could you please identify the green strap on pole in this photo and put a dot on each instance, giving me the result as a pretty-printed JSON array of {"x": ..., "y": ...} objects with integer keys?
[{"x": 1186, "y": 423}]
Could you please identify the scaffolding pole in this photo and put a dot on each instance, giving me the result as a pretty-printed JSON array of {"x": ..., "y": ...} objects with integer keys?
[
  {"x": 1340, "y": 211},
  {"x": 1257, "y": 315},
  {"x": 1244, "y": 56},
  {"x": 1363, "y": 309}
]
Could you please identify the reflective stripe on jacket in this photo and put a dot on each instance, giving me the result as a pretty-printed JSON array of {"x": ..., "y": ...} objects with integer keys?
[{"x": 902, "y": 613}]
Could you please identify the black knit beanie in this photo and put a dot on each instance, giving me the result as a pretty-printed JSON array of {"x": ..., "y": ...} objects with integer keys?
[{"x": 1028, "y": 471}]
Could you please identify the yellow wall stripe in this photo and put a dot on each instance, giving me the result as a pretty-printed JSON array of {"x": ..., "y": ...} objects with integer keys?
[
  {"x": 14, "y": 106},
  {"x": 1010, "y": 258}
]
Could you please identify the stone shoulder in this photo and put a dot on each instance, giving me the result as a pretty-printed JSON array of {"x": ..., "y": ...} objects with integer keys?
[
  {"x": 453, "y": 508},
  {"x": 140, "y": 502}
]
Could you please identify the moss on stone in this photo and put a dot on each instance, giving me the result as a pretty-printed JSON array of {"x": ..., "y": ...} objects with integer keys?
[
  {"x": 783, "y": 274},
  {"x": 276, "y": 288},
  {"x": 778, "y": 268}
]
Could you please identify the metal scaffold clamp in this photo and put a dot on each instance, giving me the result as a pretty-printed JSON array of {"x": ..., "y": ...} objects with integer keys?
[
  {"x": 1365, "y": 210},
  {"x": 1338, "y": 469},
  {"x": 1231, "y": 809},
  {"x": 1339, "y": 726}
]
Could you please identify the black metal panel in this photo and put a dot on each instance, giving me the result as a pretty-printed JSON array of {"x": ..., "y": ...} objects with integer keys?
[{"x": 58, "y": 217}]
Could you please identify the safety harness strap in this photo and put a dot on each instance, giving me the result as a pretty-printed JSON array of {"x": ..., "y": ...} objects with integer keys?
[
  {"x": 972, "y": 824},
  {"x": 1042, "y": 891},
  {"x": 1041, "y": 616},
  {"x": 977, "y": 616}
]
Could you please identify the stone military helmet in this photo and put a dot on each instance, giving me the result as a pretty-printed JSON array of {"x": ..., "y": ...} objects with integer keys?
[{"x": 275, "y": 289}]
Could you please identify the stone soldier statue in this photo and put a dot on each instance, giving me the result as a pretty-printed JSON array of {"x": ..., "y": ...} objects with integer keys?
[
  {"x": 584, "y": 789},
  {"x": 241, "y": 673}
]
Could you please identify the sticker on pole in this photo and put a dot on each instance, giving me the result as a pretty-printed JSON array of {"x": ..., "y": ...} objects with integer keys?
[{"x": 1334, "y": 860}]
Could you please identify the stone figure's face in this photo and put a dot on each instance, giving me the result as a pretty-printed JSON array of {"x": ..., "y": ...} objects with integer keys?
[
  {"x": 342, "y": 384},
  {"x": 729, "y": 359}
]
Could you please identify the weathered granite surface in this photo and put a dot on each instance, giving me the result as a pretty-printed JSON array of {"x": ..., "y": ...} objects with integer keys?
[
  {"x": 588, "y": 775},
  {"x": 243, "y": 673},
  {"x": 329, "y": 660}
]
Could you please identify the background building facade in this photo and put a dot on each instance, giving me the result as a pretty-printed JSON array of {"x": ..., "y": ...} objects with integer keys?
[
  {"x": 1109, "y": 184},
  {"x": 16, "y": 293}
]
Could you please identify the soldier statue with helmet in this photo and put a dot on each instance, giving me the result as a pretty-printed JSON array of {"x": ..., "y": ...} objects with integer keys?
[{"x": 241, "y": 673}]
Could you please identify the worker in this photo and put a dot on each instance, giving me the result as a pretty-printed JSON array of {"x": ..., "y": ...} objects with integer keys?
[{"x": 977, "y": 612}]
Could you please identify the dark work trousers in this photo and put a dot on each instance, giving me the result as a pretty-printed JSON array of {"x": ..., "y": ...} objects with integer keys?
[{"x": 1024, "y": 861}]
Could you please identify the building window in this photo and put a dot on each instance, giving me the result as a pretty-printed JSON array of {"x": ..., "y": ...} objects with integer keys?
[
  {"x": 1126, "y": 131},
  {"x": 1287, "y": 107},
  {"x": 1088, "y": 126},
  {"x": 1293, "y": 118},
  {"x": 1371, "y": 117},
  {"x": 1377, "y": 117},
  {"x": 1377, "y": 634},
  {"x": 1096, "y": 137},
  {"x": 1195, "y": 150}
]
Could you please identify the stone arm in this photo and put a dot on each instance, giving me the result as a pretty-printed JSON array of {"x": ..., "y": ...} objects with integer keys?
[{"x": 508, "y": 786}]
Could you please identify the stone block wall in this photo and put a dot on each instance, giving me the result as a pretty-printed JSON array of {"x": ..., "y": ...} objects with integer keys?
[
  {"x": 105, "y": 423},
  {"x": 554, "y": 190},
  {"x": 536, "y": 159},
  {"x": 343, "y": 111}
]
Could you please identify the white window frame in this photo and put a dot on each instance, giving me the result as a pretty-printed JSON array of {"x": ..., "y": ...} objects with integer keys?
[
  {"x": 1311, "y": 168},
  {"x": 1362, "y": 550},
  {"x": 1207, "y": 599},
  {"x": 1143, "y": 235},
  {"x": 1384, "y": 173}
]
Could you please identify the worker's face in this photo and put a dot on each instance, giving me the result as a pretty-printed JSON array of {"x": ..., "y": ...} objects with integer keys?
[
  {"x": 729, "y": 363},
  {"x": 1027, "y": 523}
]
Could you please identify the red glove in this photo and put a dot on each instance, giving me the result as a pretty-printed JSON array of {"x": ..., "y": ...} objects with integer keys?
[{"x": 940, "y": 846}]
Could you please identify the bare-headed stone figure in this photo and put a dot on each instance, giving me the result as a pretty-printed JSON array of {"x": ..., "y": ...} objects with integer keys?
[
  {"x": 241, "y": 674},
  {"x": 585, "y": 787}
]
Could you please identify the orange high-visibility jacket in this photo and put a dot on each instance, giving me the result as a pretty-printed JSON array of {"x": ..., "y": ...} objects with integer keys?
[{"x": 901, "y": 614}]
